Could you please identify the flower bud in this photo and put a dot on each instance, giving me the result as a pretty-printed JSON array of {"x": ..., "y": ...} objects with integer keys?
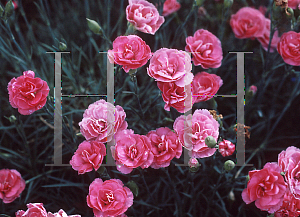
[
  {"x": 289, "y": 12},
  {"x": 228, "y": 3},
  {"x": 62, "y": 46},
  {"x": 199, "y": 2},
  {"x": 9, "y": 9},
  {"x": 210, "y": 142},
  {"x": 133, "y": 187},
  {"x": 194, "y": 165},
  {"x": 229, "y": 165},
  {"x": 231, "y": 196},
  {"x": 12, "y": 119},
  {"x": 94, "y": 26}
]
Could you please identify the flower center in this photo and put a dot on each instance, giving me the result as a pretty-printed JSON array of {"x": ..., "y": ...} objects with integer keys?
[
  {"x": 132, "y": 152},
  {"x": 99, "y": 125},
  {"x": 110, "y": 197}
]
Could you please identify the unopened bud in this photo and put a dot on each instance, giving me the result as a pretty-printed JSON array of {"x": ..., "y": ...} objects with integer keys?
[
  {"x": 253, "y": 89},
  {"x": 199, "y": 2},
  {"x": 12, "y": 119},
  {"x": 133, "y": 187},
  {"x": 229, "y": 165},
  {"x": 9, "y": 9},
  {"x": 247, "y": 178},
  {"x": 289, "y": 12},
  {"x": 210, "y": 142},
  {"x": 62, "y": 46},
  {"x": 231, "y": 196},
  {"x": 194, "y": 165},
  {"x": 228, "y": 3},
  {"x": 94, "y": 26}
]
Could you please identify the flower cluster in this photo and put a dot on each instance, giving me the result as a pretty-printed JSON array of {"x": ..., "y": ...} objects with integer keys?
[{"x": 271, "y": 191}]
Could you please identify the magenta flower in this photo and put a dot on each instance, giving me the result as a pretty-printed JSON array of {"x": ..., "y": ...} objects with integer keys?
[
  {"x": 89, "y": 155},
  {"x": 170, "y": 6},
  {"x": 226, "y": 148},
  {"x": 165, "y": 145},
  {"x": 289, "y": 48},
  {"x": 27, "y": 93},
  {"x": 109, "y": 198},
  {"x": 11, "y": 185}
]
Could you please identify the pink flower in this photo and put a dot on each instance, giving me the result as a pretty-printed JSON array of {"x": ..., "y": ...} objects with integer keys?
[
  {"x": 253, "y": 89},
  {"x": 193, "y": 130},
  {"x": 102, "y": 120},
  {"x": 165, "y": 145},
  {"x": 264, "y": 41},
  {"x": 109, "y": 198},
  {"x": 129, "y": 51},
  {"x": 226, "y": 148},
  {"x": 206, "y": 49},
  {"x": 290, "y": 206},
  {"x": 248, "y": 23},
  {"x": 89, "y": 155},
  {"x": 11, "y": 185},
  {"x": 205, "y": 86},
  {"x": 177, "y": 97},
  {"x": 294, "y": 4},
  {"x": 144, "y": 16},
  {"x": 266, "y": 187},
  {"x": 289, "y": 162},
  {"x": 34, "y": 210},
  {"x": 170, "y": 6},
  {"x": 289, "y": 48},
  {"x": 193, "y": 163},
  {"x": 61, "y": 213},
  {"x": 171, "y": 65},
  {"x": 27, "y": 93},
  {"x": 132, "y": 151}
]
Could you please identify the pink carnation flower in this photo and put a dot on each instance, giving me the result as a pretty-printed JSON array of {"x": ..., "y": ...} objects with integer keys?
[
  {"x": 193, "y": 130},
  {"x": 144, "y": 16},
  {"x": 34, "y": 210},
  {"x": 248, "y": 23},
  {"x": 170, "y": 6},
  {"x": 109, "y": 198},
  {"x": 294, "y": 4},
  {"x": 177, "y": 97},
  {"x": 205, "y": 86},
  {"x": 129, "y": 51},
  {"x": 226, "y": 148},
  {"x": 27, "y": 93},
  {"x": 289, "y": 162},
  {"x": 290, "y": 206},
  {"x": 206, "y": 49},
  {"x": 89, "y": 155},
  {"x": 61, "y": 213},
  {"x": 289, "y": 48},
  {"x": 132, "y": 151},
  {"x": 171, "y": 65},
  {"x": 102, "y": 120},
  {"x": 11, "y": 185},
  {"x": 266, "y": 187},
  {"x": 165, "y": 145}
]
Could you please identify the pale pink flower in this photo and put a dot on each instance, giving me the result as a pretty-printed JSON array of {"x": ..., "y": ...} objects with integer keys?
[
  {"x": 132, "y": 151},
  {"x": 290, "y": 206},
  {"x": 193, "y": 163},
  {"x": 170, "y": 6},
  {"x": 165, "y": 145},
  {"x": 129, "y": 51},
  {"x": 109, "y": 198},
  {"x": 144, "y": 16},
  {"x": 177, "y": 97},
  {"x": 266, "y": 187},
  {"x": 27, "y": 93},
  {"x": 192, "y": 131},
  {"x": 205, "y": 86},
  {"x": 171, "y": 65},
  {"x": 289, "y": 48},
  {"x": 248, "y": 23},
  {"x": 102, "y": 120},
  {"x": 89, "y": 155},
  {"x": 61, "y": 213},
  {"x": 11, "y": 185},
  {"x": 264, "y": 41},
  {"x": 289, "y": 162},
  {"x": 294, "y": 4},
  {"x": 206, "y": 49},
  {"x": 34, "y": 210},
  {"x": 226, "y": 148}
]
